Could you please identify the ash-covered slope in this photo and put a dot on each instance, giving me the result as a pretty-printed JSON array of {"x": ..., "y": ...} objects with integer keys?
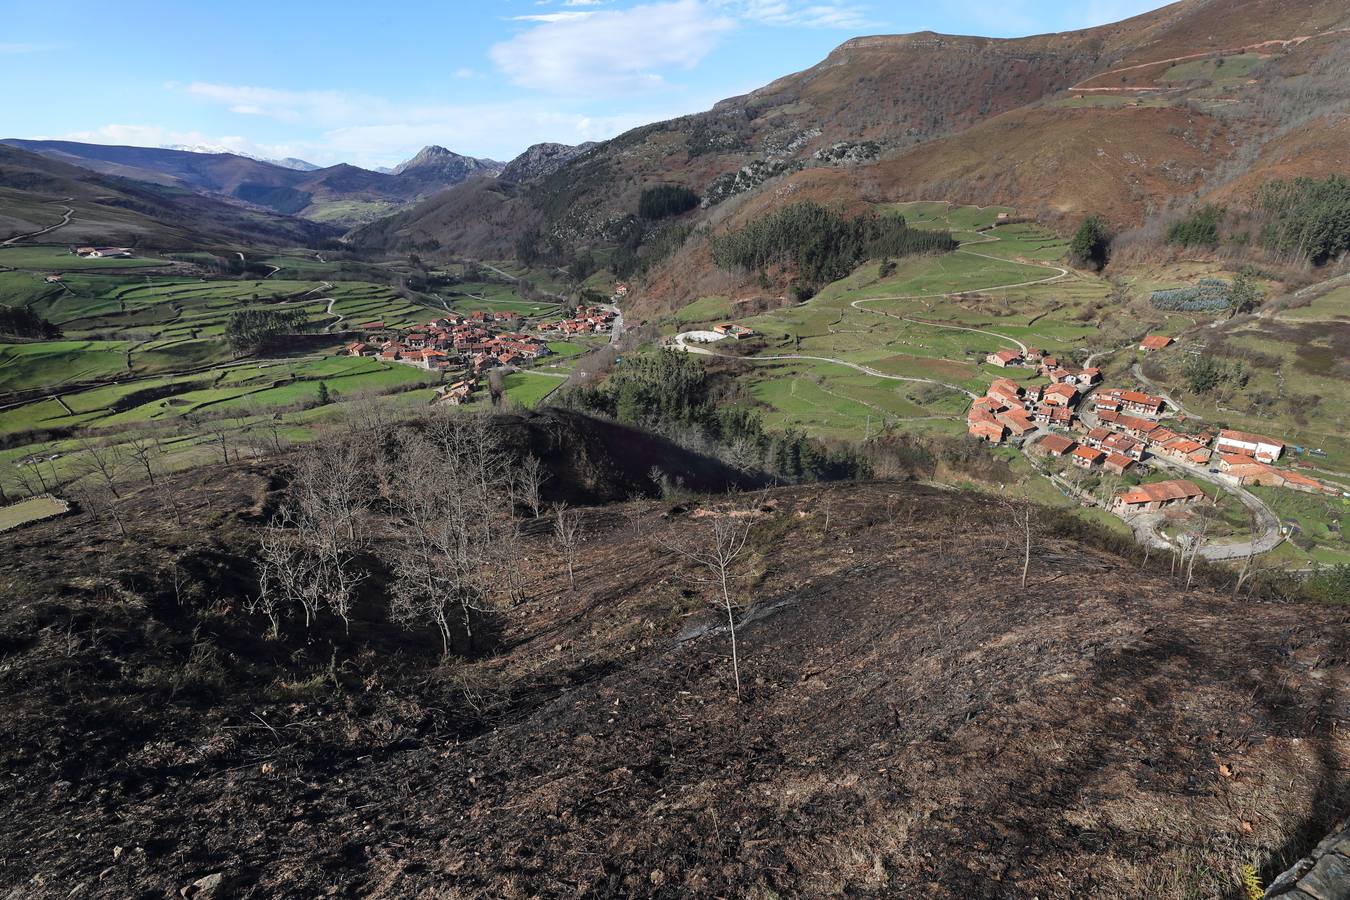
[{"x": 914, "y": 721}]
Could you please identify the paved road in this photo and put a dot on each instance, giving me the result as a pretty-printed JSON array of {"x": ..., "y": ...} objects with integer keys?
[
  {"x": 1268, "y": 537},
  {"x": 1138, "y": 373},
  {"x": 65, "y": 220}
]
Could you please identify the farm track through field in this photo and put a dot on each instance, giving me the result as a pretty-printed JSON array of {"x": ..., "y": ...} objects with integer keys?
[
  {"x": 65, "y": 220},
  {"x": 681, "y": 343},
  {"x": 1281, "y": 43}
]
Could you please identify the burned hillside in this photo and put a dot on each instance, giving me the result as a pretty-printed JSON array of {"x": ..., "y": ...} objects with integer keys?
[{"x": 913, "y": 719}]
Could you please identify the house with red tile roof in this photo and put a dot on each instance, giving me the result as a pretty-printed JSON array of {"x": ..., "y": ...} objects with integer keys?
[
  {"x": 1117, "y": 464},
  {"x": 1087, "y": 457},
  {"x": 1017, "y": 420},
  {"x": 1003, "y": 358},
  {"x": 1155, "y": 342},
  {"x": 1159, "y": 495},
  {"x": 1060, "y": 395},
  {"x": 1263, "y": 448},
  {"x": 1056, "y": 445}
]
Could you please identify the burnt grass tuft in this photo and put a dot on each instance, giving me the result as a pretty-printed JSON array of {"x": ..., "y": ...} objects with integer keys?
[{"x": 914, "y": 723}]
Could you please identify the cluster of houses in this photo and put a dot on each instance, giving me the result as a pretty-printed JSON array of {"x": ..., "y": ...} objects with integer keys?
[
  {"x": 586, "y": 320},
  {"x": 1009, "y": 409},
  {"x": 1122, "y": 430},
  {"x": 451, "y": 341}
]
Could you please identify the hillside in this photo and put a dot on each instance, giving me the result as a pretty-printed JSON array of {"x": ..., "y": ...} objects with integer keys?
[
  {"x": 311, "y": 192},
  {"x": 914, "y": 721},
  {"x": 110, "y": 209},
  {"x": 1125, "y": 119}
]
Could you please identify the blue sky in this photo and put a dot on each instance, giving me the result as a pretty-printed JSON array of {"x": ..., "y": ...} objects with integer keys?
[{"x": 370, "y": 83}]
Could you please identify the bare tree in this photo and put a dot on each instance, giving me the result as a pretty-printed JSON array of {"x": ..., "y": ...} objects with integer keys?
[
  {"x": 1023, "y": 515},
  {"x": 1196, "y": 543},
  {"x": 530, "y": 478},
  {"x": 568, "y": 537},
  {"x": 719, "y": 552},
  {"x": 451, "y": 490},
  {"x": 1253, "y": 524},
  {"x": 145, "y": 450},
  {"x": 308, "y": 552},
  {"x": 100, "y": 503},
  {"x": 105, "y": 462}
]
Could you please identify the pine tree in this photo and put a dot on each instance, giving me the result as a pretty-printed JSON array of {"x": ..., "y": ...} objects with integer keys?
[{"x": 1091, "y": 244}]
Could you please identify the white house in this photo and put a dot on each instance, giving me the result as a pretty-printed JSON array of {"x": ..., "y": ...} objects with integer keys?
[{"x": 1248, "y": 444}]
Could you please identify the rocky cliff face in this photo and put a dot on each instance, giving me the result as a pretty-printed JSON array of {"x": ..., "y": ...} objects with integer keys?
[{"x": 542, "y": 159}]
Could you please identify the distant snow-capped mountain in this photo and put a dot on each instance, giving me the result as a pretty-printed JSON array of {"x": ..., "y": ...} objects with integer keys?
[{"x": 290, "y": 162}]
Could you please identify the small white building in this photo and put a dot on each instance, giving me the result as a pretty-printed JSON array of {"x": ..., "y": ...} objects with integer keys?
[{"x": 1248, "y": 444}]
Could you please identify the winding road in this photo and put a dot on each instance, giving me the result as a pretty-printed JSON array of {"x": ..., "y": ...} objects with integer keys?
[
  {"x": 65, "y": 220},
  {"x": 1269, "y": 534},
  {"x": 681, "y": 342}
]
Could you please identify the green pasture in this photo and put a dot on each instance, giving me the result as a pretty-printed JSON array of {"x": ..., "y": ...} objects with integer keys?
[{"x": 59, "y": 259}]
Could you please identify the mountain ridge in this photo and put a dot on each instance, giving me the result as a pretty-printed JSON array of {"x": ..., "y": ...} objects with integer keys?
[{"x": 978, "y": 120}]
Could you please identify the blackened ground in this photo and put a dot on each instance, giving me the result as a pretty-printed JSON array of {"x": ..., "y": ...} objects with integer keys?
[{"x": 914, "y": 723}]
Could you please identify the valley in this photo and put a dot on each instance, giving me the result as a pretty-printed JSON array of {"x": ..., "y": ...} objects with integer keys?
[{"x": 924, "y": 474}]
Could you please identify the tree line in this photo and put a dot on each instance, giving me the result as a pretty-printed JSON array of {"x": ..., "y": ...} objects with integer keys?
[
  {"x": 1306, "y": 219},
  {"x": 820, "y": 244},
  {"x": 665, "y": 200},
  {"x": 672, "y": 394},
  {"x": 253, "y": 330},
  {"x": 20, "y": 321}
]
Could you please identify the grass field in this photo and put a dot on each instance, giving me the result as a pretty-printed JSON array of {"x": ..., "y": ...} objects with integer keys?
[
  {"x": 472, "y": 296},
  {"x": 527, "y": 389},
  {"x": 59, "y": 259},
  {"x": 27, "y": 366},
  {"x": 30, "y": 510}
]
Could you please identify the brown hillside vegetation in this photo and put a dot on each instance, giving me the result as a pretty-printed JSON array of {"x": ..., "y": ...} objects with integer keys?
[
  {"x": 914, "y": 723},
  {"x": 961, "y": 118}
]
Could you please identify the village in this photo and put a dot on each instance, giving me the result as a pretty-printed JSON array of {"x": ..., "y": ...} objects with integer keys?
[
  {"x": 1120, "y": 432},
  {"x": 472, "y": 343}
]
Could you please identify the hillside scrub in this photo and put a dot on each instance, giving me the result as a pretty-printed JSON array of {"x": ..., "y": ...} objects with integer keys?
[
  {"x": 20, "y": 321},
  {"x": 1091, "y": 244},
  {"x": 820, "y": 244},
  {"x": 251, "y": 330}
]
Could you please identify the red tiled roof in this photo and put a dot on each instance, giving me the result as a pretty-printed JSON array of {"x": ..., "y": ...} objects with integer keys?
[
  {"x": 1161, "y": 491},
  {"x": 1055, "y": 443}
]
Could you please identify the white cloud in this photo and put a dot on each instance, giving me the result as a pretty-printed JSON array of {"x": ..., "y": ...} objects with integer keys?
[
  {"x": 552, "y": 17},
  {"x": 612, "y": 51},
  {"x": 316, "y": 107},
  {"x": 848, "y": 16}
]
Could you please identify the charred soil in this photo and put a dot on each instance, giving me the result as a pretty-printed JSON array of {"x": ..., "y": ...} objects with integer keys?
[{"x": 914, "y": 721}]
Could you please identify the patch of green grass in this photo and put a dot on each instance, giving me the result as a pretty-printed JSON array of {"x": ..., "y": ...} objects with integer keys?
[
  {"x": 28, "y": 366},
  {"x": 30, "y": 510},
  {"x": 527, "y": 389},
  {"x": 566, "y": 349},
  {"x": 705, "y": 309},
  {"x": 59, "y": 259},
  {"x": 1223, "y": 68}
]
